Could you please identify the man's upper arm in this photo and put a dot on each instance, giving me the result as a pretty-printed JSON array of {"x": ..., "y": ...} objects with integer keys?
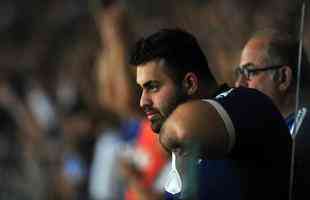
[{"x": 204, "y": 123}]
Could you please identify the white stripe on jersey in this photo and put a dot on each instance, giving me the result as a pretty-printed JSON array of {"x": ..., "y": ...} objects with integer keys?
[{"x": 228, "y": 123}]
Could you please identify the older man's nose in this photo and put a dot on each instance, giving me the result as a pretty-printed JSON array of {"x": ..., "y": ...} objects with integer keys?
[{"x": 241, "y": 81}]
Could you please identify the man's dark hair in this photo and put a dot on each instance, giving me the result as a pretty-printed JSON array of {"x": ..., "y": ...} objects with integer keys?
[{"x": 180, "y": 51}]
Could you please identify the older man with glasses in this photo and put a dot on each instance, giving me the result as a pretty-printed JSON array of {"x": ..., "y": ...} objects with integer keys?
[{"x": 269, "y": 63}]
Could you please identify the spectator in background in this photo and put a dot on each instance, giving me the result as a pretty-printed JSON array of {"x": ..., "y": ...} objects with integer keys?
[
  {"x": 269, "y": 63},
  {"x": 144, "y": 159},
  {"x": 12, "y": 169},
  {"x": 21, "y": 162}
]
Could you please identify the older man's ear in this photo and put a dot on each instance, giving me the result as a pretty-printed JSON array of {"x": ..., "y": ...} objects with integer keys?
[{"x": 285, "y": 78}]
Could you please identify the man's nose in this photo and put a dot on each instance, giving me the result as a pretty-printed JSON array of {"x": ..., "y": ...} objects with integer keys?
[
  {"x": 241, "y": 81},
  {"x": 145, "y": 100}
]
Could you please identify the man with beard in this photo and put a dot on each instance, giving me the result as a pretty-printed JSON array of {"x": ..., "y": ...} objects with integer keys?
[{"x": 222, "y": 140}]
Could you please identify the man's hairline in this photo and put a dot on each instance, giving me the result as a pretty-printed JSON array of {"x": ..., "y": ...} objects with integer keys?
[
  {"x": 265, "y": 55},
  {"x": 159, "y": 61},
  {"x": 162, "y": 62}
]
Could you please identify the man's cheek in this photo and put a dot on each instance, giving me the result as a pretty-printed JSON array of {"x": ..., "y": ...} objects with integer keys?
[{"x": 160, "y": 104}]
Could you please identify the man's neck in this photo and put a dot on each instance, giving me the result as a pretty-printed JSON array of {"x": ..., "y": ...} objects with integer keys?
[
  {"x": 208, "y": 91},
  {"x": 287, "y": 106}
]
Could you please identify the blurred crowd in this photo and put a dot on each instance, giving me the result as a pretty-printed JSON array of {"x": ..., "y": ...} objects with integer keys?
[{"x": 70, "y": 126}]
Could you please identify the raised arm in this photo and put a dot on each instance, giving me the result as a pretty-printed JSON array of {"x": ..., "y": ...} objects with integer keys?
[{"x": 116, "y": 83}]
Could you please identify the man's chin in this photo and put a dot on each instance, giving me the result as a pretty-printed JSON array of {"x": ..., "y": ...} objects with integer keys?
[{"x": 156, "y": 126}]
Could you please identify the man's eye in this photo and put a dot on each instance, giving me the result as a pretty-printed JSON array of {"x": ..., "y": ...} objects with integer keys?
[
  {"x": 251, "y": 73},
  {"x": 153, "y": 88}
]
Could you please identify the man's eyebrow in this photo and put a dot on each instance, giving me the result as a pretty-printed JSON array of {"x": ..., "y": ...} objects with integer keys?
[
  {"x": 149, "y": 83},
  {"x": 248, "y": 64}
]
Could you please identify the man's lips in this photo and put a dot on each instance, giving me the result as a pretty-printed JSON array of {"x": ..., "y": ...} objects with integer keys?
[{"x": 150, "y": 115}]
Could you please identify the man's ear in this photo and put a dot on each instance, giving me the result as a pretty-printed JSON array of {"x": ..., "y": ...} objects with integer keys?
[
  {"x": 285, "y": 77},
  {"x": 190, "y": 83}
]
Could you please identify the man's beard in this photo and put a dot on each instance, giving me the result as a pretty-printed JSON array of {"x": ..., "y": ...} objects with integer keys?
[{"x": 158, "y": 121}]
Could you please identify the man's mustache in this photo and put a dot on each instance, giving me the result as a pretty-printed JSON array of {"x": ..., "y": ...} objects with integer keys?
[{"x": 148, "y": 109}]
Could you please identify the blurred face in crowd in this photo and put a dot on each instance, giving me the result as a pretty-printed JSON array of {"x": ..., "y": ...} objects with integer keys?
[
  {"x": 160, "y": 93},
  {"x": 253, "y": 72}
]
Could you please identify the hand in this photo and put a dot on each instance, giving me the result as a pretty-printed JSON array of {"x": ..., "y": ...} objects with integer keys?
[{"x": 111, "y": 22}]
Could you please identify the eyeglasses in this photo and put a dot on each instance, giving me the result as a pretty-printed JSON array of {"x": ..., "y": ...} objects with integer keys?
[{"x": 250, "y": 70}]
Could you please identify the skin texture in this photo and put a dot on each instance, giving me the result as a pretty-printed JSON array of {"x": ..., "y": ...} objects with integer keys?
[
  {"x": 280, "y": 90},
  {"x": 263, "y": 81},
  {"x": 195, "y": 128},
  {"x": 183, "y": 123},
  {"x": 160, "y": 94}
]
